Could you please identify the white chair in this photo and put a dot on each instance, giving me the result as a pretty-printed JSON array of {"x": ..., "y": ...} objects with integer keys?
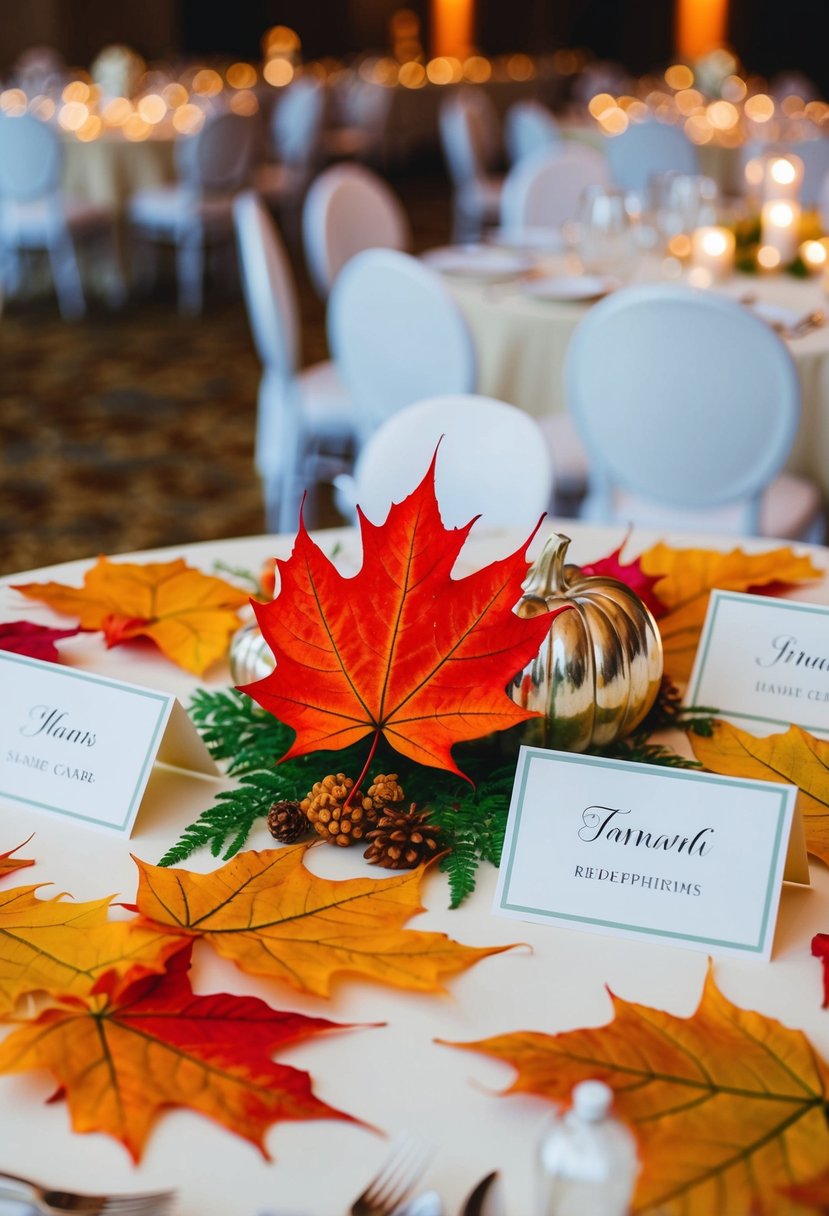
[
  {"x": 491, "y": 462},
  {"x": 362, "y": 109},
  {"x": 296, "y": 128},
  {"x": 197, "y": 211},
  {"x": 470, "y": 142},
  {"x": 544, "y": 189},
  {"x": 688, "y": 406},
  {"x": 645, "y": 149},
  {"x": 396, "y": 335},
  {"x": 36, "y": 214},
  {"x": 349, "y": 208},
  {"x": 815, "y": 156},
  {"x": 529, "y": 127},
  {"x": 304, "y": 417}
]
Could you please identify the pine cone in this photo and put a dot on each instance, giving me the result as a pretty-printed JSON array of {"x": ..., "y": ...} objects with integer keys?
[
  {"x": 330, "y": 818},
  {"x": 287, "y": 822},
  {"x": 385, "y": 790},
  {"x": 402, "y": 839}
]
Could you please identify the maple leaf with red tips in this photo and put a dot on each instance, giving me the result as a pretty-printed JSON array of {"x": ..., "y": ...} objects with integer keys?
[
  {"x": 35, "y": 641},
  {"x": 137, "y": 1046},
  {"x": 9, "y": 864},
  {"x": 820, "y": 949},
  {"x": 401, "y": 649},
  {"x": 632, "y": 575}
]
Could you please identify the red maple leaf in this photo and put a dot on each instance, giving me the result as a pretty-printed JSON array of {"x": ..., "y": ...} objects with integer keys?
[
  {"x": 36, "y": 641},
  {"x": 630, "y": 573},
  {"x": 401, "y": 649},
  {"x": 820, "y": 949}
]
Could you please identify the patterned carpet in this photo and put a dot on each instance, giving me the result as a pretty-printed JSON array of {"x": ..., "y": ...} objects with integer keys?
[{"x": 134, "y": 429}]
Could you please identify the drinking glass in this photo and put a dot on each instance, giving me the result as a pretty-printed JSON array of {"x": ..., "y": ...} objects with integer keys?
[
  {"x": 681, "y": 202},
  {"x": 605, "y": 240}
]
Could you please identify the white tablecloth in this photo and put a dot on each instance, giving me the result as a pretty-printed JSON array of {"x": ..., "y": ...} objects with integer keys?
[
  {"x": 521, "y": 345},
  {"x": 395, "y": 1077}
]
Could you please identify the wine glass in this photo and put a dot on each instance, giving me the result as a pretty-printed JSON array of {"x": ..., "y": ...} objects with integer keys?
[{"x": 605, "y": 238}]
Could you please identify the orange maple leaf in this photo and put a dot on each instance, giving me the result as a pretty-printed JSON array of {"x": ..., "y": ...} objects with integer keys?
[
  {"x": 727, "y": 1105},
  {"x": 8, "y": 863},
  {"x": 189, "y": 615},
  {"x": 136, "y": 1046},
  {"x": 400, "y": 650},
  {"x": 271, "y": 916},
  {"x": 794, "y": 757},
  {"x": 60, "y": 947},
  {"x": 686, "y": 577}
]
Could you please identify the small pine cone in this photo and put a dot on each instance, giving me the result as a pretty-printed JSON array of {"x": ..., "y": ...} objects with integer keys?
[
  {"x": 287, "y": 822},
  {"x": 402, "y": 839},
  {"x": 330, "y": 818},
  {"x": 384, "y": 791}
]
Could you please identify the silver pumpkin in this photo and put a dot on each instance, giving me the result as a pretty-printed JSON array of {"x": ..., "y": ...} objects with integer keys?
[
  {"x": 599, "y": 669},
  {"x": 251, "y": 658}
]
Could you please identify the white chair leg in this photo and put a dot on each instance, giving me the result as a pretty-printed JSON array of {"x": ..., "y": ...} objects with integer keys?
[
  {"x": 190, "y": 273},
  {"x": 67, "y": 278}
]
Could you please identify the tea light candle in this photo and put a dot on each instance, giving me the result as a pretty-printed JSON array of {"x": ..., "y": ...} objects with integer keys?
[
  {"x": 815, "y": 255},
  {"x": 779, "y": 223},
  {"x": 782, "y": 177},
  {"x": 712, "y": 249}
]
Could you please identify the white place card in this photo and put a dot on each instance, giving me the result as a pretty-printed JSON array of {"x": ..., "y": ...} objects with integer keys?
[
  {"x": 634, "y": 850},
  {"x": 83, "y": 746},
  {"x": 764, "y": 660}
]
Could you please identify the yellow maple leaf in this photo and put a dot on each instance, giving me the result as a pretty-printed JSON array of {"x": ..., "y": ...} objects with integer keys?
[
  {"x": 189, "y": 615},
  {"x": 9, "y": 863},
  {"x": 687, "y": 577},
  {"x": 60, "y": 947},
  {"x": 271, "y": 916},
  {"x": 729, "y": 1107},
  {"x": 794, "y": 758}
]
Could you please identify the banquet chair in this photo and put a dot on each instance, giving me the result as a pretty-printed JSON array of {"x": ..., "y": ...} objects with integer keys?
[
  {"x": 688, "y": 405},
  {"x": 469, "y": 137},
  {"x": 814, "y": 154},
  {"x": 491, "y": 462},
  {"x": 196, "y": 212},
  {"x": 349, "y": 208},
  {"x": 646, "y": 149},
  {"x": 396, "y": 335},
  {"x": 36, "y": 213},
  {"x": 296, "y": 132},
  {"x": 544, "y": 189},
  {"x": 304, "y": 427},
  {"x": 529, "y": 126},
  {"x": 358, "y": 132}
]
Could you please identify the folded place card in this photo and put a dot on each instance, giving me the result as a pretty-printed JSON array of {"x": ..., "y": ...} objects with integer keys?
[
  {"x": 764, "y": 660},
  {"x": 83, "y": 746},
  {"x": 633, "y": 850}
]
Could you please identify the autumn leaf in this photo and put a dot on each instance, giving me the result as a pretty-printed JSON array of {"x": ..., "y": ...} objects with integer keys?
[
  {"x": 631, "y": 574},
  {"x": 271, "y": 916},
  {"x": 136, "y": 1046},
  {"x": 727, "y": 1105},
  {"x": 820, "y": 949},
  {"x": 400, "y": 650},
  {"x": 9, "y": 864},
  {"x": 189, "y": 615},
  {"x": 686, "y": 577},
  {"x": 60, "y": 947},
  {"x": 814, "y": 1194},
  {"x": 36, "y": 641},
  {"x": 793, "y": 758}
]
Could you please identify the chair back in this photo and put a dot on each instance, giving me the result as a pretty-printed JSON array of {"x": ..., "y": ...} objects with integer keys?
[
  {"x": 645, "y": 149},
  {"x": 545, "y": 189},
  {"x": 492, "y": 462},
  {"x": 687, "y": 405},
  {"x": 528, "y": 127},
  {"x": 396, "y": 335},
  {"x": 815, "y": 156},
  {"x": 31, "y": 159},
  {"x": 469, "y": 136},
  {"x": 218, "y": 159},
  {"x": 297, "y": 121},
  {"x": 349, "y": 208},
  {"x": 268, "y": 286}
]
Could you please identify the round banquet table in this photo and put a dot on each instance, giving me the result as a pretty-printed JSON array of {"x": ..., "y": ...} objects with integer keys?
[
  {"x": 522, "y": 341},
  {"x": 393, "y": 1076},
  {"x": 109, "y": 170}
]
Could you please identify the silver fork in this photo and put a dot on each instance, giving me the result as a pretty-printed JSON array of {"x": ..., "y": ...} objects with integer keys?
[
  {"x": 52, "y": 1202},
  {"x": 395, "y": 1179}
]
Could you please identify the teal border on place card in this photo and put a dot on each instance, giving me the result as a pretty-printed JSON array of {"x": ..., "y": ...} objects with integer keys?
[
  {"x": 164, "y": 700},
  {"x": 623, "y": 766},
  {"x": 718, "y": 597}
]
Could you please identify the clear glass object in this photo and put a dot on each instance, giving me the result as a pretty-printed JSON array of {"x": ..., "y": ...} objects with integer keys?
[
  {"x": 587, "y": 1161},
  {"x": 605, "y": 233}
]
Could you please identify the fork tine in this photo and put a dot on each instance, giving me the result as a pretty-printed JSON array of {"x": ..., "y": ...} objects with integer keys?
[
  {"x": 147, "y": 1203},
  {"x": 396, "y": 1178}
]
